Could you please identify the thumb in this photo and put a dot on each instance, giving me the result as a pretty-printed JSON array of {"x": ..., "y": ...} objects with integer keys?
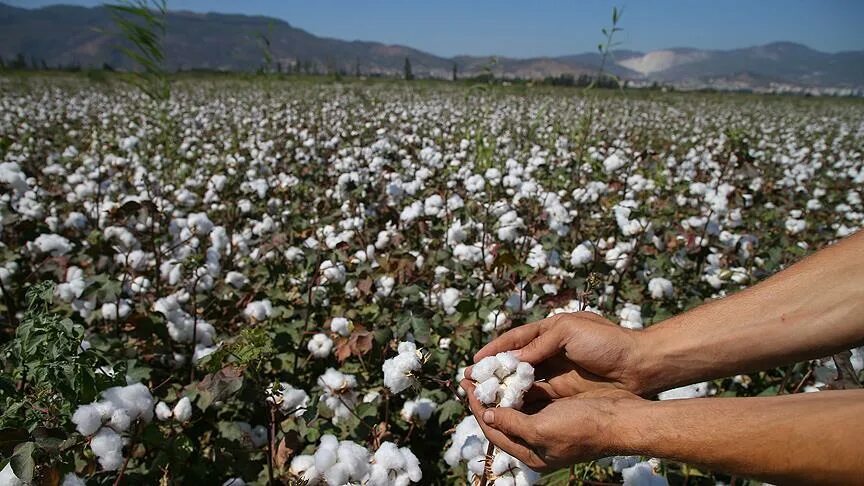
[
  {"x": 541, "y": 348},
  {"x": 511, "y": 422}
]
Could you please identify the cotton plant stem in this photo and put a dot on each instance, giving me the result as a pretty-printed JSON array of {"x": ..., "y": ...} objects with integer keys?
[{"x": 487, "y": 465}]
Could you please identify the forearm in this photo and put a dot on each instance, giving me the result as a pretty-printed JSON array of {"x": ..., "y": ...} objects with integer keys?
[
  {"x": 811, "y": 438},
  {"x": 812, "y": 309}
]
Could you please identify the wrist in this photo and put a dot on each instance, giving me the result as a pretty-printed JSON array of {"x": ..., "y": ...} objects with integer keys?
[
  {"x": 626, "y": 432},
  {"x": 647, "y": 364}
]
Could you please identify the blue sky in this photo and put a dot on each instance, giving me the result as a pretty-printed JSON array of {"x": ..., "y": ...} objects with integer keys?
[{"x": 554, "y": 27}]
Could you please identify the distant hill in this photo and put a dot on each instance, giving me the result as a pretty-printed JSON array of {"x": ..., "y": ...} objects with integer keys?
[{"x": 76, "y": 36}]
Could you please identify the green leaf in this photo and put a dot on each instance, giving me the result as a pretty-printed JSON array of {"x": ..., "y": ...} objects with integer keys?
[{"x": 22, "y": 461}]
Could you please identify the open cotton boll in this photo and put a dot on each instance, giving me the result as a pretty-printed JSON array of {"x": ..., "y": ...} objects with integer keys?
[
  {"x": 338, "y": 394},
  {"x": 303, "y": 466},
  {"x": 341, "y": 326},
  {"x": 392, "y": 465},
  {"x": 660, "y": 288},
  {"x": 642, "y": 474},
  {"x": 290, "y": 400},
  {"x": 258, "y": 310},
  {"x": 418, "y": 410},
  {"x": 163, "y": 411},
  {"x": 320, "y": 345},
  {"x": 183, "y": 410},
  {"x": 399, "y": 370},
  {"x": 108, "y": 447},
  {"x": 87, "y": 419},
  {"x": 70, "y": 479},
  {"x": 502, "y": 380},
  {"x": 112, "y": 311}
]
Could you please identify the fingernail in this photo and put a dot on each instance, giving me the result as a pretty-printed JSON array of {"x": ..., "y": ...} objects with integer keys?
[{"x": 488, "y": 416}]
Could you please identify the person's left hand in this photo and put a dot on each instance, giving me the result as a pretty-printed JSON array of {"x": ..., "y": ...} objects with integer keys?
[{"x": 549, "y": 435}]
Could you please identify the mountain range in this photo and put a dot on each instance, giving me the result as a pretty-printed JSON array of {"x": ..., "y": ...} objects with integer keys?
[{"x": 63, "y": 35}]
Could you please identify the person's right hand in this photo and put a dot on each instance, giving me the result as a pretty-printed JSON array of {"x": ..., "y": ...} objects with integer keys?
[{"x": 574, "y": 353}]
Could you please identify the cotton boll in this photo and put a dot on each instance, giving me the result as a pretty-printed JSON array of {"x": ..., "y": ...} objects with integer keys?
[
  {"x": 631, "y": 316},
  {"x": 88, "y": 419},
  {"x": 183, "y": 410},
  {"x": 399, "y": 370},
  {"x": 660, "y": 288},
  {"x": 341, "y": 326},
  {"x": 488, "y": 390},
  {"x": 163, "y": 411},
  {"x": 507, "y": 364},
  {"x": 326, "y": 455},
  {"x": 642, "y": 474},
  {"x": 320, "y": 345},
  {"x": 258, "y": 310},
  {"x": 303, "y": 466},
  {"x": 484, "y": 369},
  {"x": 290, "y": 400},
  {"x": 120, "y": 420},
  {"x": 70, "y": 479},
  {"x": 418, "y": 410},
  {"x": 108, "y": 446}
]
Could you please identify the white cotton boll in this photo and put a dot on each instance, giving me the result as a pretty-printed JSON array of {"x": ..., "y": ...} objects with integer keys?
[
  {"x": 631, "y": 316},
  {"x": 399, "y": 370},
  {"x": 448, "y": 299},
  {"x": 507, "y": 363},
  {"x": 53, "y": 244},
  {"x": 135, "y": 399},
  {"x": 496, "y": 320},
  {"x": 111, "y": 311},
  {"x": 337, "y": 475},
  {"x": 341, "y": 326},
  {"x": 8, "y": 477},
  {"x": 384, "y": 285},
  {"x": 355, "y": 457},
  {"x": 258, "y": 310},
  {"x": 120, "y": 420},
  {"x": 326, "y": 454},
  {"x": 660, "y": 288},
  {"x": 613, "y": 162},
  {"x": 418, "y": 410},
  {"x": 642, "y": 474},
  {"x": 70, "y": 479},
  {"x": 696, "y": 390},
  {"x": 488, "y": 390},
  {"x": 108, "y": 447},
  {"x": 88, "y": 419},
  {"x": 236, "y": 279},
  {"x": 502, "y": 462},
  {"x": 183, "y": 410},
  {"x": 582, "y": 254},
  {"x": 303, "y": 466},
  {"x": 320, "y": 345},
  {"x": 485, "y": 369},
  {"x": 163, "y": 411},
  {"x": 290, "y": 400}
]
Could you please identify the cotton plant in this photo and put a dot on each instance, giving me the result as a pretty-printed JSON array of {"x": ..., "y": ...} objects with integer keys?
[
  {"x": 469, "y": 445},
  {"x": 339, "y": 393},
  {"x": 289, "y": 400}
]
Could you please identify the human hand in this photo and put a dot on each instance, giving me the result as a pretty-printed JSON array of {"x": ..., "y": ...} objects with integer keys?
[
  {"x": 552, "y": 434},
  {"x": 575, "y": 353}
]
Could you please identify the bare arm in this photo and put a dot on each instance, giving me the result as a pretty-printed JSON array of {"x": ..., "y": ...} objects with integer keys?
[
  {"x": 809, "y": 438},
  {"x": 813, "y": 309}
]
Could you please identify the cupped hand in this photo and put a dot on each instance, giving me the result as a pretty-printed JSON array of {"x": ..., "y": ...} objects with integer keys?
[
  {"x": 555, "y": 434},
  {"x": 574, "y": 353}
]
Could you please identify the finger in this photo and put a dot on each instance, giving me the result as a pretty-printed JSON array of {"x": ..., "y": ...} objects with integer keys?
[
  {"x": 510, "y": 340},
  {"x": 544, "y": 346},
  {"x": 511, "y": 422},
  {"x": 501, "y": 440},
  {"x": 540, "y": 392},
  {"x": 467, "y": 372}
]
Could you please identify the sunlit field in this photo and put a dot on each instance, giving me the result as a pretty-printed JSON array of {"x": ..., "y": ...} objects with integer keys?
[{"x": 206, "y": 291}]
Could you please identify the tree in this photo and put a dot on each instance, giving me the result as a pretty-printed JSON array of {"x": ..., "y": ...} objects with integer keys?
[
  {"x": 408, "y": 74},
  {"x": 455, "y": 69}
]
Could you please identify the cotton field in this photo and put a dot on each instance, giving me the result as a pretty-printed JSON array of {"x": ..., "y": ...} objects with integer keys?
[{"x": 284, "y": 281}]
